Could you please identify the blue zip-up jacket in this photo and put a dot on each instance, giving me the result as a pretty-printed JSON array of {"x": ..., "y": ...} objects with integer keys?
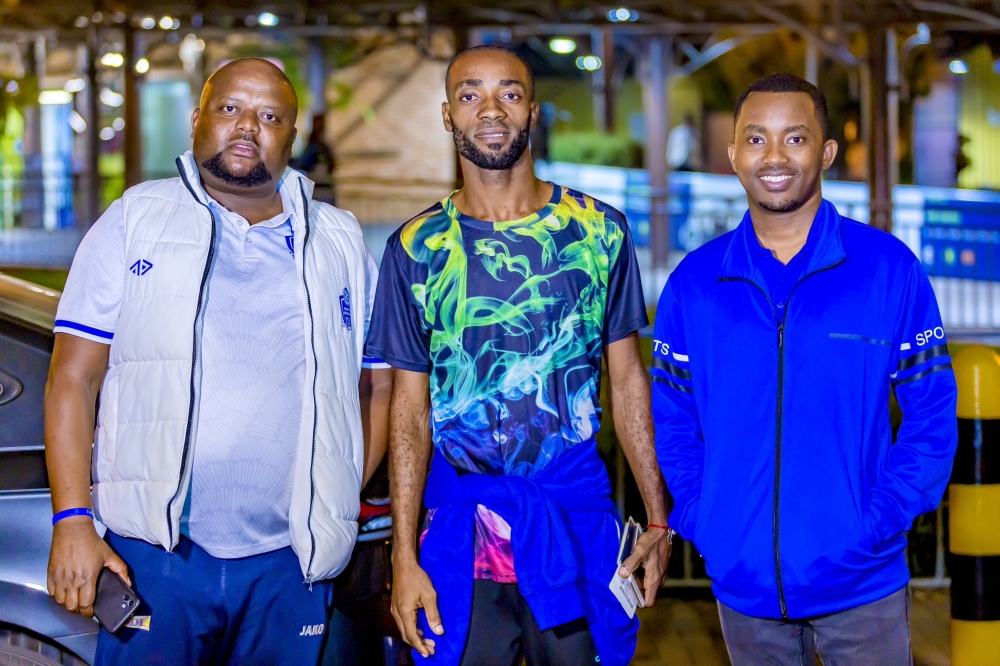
[{"x": 772, "y": 424}]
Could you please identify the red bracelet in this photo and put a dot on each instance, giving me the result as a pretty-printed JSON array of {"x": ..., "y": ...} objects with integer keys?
[{"x": 662, "y": 527}]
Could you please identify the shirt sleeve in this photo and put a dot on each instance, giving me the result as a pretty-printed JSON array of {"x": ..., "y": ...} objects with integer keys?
[
  {"x": 399, "y": 335},
  {"x": 92, "y": 299},
  {"x": 371, "y": 281},
  {"x": 919, "y": 463},
  {"x": 680, "y": 444},
  {"x": 625, "y": 311}
]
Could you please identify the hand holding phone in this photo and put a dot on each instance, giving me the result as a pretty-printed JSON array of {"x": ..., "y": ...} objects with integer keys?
[{"x": 116, "y": 602}]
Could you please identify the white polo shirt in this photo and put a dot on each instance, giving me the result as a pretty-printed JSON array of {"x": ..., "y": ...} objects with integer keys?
[{"x": 253, "y": 368}]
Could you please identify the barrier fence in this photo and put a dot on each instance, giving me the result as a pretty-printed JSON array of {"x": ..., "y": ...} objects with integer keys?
[{"x": 956, "y": 234}]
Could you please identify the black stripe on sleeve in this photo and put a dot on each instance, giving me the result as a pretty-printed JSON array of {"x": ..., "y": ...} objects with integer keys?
[
  {"x": 673, "y": 384},
  {"x": 921, "y": 357},
  {"x": 922, "y": 374},
  {"x": 667, "y": 366}
]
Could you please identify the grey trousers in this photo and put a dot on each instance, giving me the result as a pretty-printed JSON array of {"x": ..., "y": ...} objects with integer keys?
[{"x": 876, "y": 634}]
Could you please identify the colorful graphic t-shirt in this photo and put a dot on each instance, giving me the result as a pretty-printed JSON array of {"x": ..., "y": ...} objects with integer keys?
[{"x": 509, "y": 319}]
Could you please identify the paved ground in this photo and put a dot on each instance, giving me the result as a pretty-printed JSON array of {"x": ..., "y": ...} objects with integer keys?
[{"x": 686, "y": 632}]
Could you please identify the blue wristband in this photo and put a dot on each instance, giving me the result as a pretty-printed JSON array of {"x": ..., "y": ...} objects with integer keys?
[{"x": 69, "y": 513}]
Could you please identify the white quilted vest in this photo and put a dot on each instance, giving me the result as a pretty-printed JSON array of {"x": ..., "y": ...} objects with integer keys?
[{"x": 148, "y": 418}]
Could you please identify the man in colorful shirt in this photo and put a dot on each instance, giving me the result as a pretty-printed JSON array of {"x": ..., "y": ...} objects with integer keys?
[{"x": 496, "y": 308}]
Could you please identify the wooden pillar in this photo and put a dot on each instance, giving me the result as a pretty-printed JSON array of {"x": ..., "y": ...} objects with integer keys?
[
  {"x": 132, "y": 116},
  {"x": 658, "y": 58},
  {"x": 879, "y": 170},
  {"x": 603, "y": 46}
]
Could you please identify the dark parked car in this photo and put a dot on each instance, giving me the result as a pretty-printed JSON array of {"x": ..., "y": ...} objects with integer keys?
[{"x": 34, "y": 629}]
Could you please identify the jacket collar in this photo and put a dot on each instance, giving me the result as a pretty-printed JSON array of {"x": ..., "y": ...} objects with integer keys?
[
  {"x": 292, "y": 179},
  {"x": 826, "y": 246}
]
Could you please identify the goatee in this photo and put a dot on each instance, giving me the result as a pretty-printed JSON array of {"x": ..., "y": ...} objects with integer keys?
[
  {"x": 495, "y": 160},
  {"x": 258, "y": 175},
  {"x": 780, "y": 206}
]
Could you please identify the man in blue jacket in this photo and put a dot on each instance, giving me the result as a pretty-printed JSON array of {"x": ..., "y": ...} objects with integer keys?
[{"x": 776, "y": 348}]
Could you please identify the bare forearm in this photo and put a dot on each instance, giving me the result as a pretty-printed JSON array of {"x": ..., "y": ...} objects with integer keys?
[
  {"x": 409, "y": 452},
  {"x": 75, "y": 377},
  {"x": 69, "y": 436},
  {"x": 376, "y": 393},
  {"x": 634, "y": 427}
]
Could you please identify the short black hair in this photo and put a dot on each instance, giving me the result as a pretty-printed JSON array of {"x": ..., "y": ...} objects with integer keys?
[
  {"x": 496, "y": 48},
  {"x": 786, "y": 83}
]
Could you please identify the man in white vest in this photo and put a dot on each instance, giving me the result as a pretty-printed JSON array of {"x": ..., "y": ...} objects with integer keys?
[{"x": 220, "y": 318}]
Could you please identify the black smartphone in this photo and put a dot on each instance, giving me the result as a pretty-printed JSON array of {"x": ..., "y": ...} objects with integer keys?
[{"x": 115, "y": 602}]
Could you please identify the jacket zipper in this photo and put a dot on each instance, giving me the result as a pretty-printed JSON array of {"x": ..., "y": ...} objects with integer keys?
[
  {"x": 312, "y": 341},
  {"x": 186, "y": 452},
  {"x": 777, "y": 458},
  {"x": 777, "y": 430}
]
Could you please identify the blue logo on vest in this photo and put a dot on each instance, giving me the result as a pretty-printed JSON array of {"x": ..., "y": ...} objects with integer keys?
[
  {"x": 141, "y": 267},
  {"x": 290, "y": 242},
  {"x": 345, "y": 308}
]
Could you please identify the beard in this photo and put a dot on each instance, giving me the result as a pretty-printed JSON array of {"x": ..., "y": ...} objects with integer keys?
[
  {"x": 774, "y": 206},
  {"x": 780, "y": 206},
  {"x": 495, "y": 160},
  {"x": 258, "y": 175}
]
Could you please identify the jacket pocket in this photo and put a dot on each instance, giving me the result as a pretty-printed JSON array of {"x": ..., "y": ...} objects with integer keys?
[{"x": 106, "y": 434}]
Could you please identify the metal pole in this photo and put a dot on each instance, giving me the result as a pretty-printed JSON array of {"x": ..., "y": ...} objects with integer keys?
[
  {"x": 133, "y": 120},
  {"x": 90, "y": 178},
  {"x": 317, "y": 76},
  {"x": 892, "y": 105},
  {"x": 879, "y": 173},
  {"x": 812, "y": 62},
  {"x": 603, "y": 46},
  {"x": 32, "y": 187},
  {"x": 656, "y": 107},
  {"x": 92, "y": 114}
]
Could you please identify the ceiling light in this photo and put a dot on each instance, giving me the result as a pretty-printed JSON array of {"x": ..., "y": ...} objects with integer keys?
[
  {"x": 622, "y": 14},
  {"x": 111, "y": 98},
  {"x": 166, "y": 23},
  {"x": 589, "y": 63},
  {"x": 112, "y": 59},
  {"x": 12, "y": 87},
  {"x": 81, "y": 21},
  {"x": 55, "y": 97},
  {"x": 562, "y": 45},
  {"x": 958, "y": 67},
  {"x": 77, "y": 122},
  {"x": 142, "y": 65},
  {"x": 267, "y": 19},
  {"x": 118, "y": 124},
  {"x": 75, "y": 85},
  {"x": 106, "y": 134},
  {"x": 147, "y": 23}
]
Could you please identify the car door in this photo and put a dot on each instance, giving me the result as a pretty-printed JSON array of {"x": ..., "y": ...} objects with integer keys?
[{"x": 34, "y": 629}]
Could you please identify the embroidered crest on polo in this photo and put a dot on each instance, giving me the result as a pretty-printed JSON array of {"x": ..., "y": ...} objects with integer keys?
[
  {"x": 140, "y": 267},
  {"x": 345, "y": 308}
]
